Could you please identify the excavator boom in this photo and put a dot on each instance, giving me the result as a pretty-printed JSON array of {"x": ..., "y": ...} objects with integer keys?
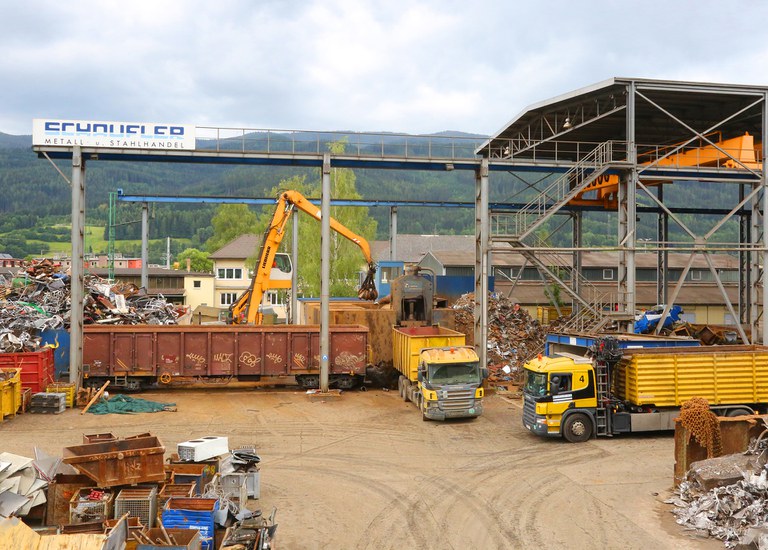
[{"x": 246, "y": 307}]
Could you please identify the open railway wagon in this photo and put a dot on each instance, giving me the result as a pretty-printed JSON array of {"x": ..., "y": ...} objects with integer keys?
[{"x": 137, "y": 356}]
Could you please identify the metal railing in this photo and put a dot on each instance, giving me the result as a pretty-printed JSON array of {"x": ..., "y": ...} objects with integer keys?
[
  {"x": 565, "y": 187},
  {"x": 562, "y": 187},
  {"x": 699, "y": 153},
  {"x": 603, "y": 308},
  {"x": 356, "y": 144},
  {"x": 548, "y": 151}
]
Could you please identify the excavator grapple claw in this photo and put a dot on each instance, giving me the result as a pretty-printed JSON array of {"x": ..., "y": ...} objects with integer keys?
[{"x": 368, "y": 288}]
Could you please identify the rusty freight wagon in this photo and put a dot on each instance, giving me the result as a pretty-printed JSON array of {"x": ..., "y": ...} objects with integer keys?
[{"x": 139, "y": 356}]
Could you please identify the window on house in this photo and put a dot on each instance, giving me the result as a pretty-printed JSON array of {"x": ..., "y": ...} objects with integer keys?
[
  {"x": 695, "y": 275},
  {"x": 230, "y": 273},
  {"x": 607, "y": 274},
  {"x": 274, "y": 298},
  {"x": 228, "y": 298},
  {"x": 196, "y": 284}
]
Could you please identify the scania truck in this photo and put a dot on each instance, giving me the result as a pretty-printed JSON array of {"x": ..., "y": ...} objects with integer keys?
[
  {"x": 616, "y": 390},
  {"x": 438, "y": 371}
]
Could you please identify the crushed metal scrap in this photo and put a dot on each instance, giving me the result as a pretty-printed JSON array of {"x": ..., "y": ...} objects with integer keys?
[
  {"x": 733, "y": 512},
  {"x": 514, "y": 337},
  {"x": 38, "y": 298}
]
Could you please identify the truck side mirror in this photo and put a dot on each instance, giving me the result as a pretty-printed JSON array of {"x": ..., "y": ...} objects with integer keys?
[
  {"x": 421, "y": 373},
  {"x": 484, "y": 372}
]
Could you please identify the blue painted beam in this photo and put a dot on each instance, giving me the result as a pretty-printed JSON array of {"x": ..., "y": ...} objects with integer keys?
[{"x": 495, "y": 206}]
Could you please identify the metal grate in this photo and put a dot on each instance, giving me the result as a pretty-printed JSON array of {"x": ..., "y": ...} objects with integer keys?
[
  {"x": 138, "y": 502},
  {"x": 529, "y": 411},
  {"x": 90, "y": 505}
]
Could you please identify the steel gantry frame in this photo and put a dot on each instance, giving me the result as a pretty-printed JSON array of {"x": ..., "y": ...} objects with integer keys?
[
  {"x": 645, "y": 132},
  {"x": 663, "y": 132}
]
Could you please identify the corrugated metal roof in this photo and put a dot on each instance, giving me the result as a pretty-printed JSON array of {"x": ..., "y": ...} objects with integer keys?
[{"x": 597, "y": 113}]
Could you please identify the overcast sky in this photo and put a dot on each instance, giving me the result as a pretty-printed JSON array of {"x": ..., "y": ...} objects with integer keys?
[{"x": 391, "y": 65}]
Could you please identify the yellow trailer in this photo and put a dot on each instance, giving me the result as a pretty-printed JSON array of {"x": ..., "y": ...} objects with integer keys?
[
  {"x": 633, "y": 390},
  {"x": 723, "y": 375},
  {"x": 438, "y": 372}
]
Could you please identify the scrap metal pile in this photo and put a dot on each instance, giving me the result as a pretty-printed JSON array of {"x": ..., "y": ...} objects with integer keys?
[
  {"x": 23, "y": 481},
  {"x": 514, "y": 337},
  {"x": 734, "y": 513},
  {"x": 38, "y": 298},
  {"x": 726, "y": 498}
]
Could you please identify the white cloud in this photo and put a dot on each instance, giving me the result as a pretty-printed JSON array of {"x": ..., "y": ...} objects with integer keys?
[{"x": 397, "y": 65}]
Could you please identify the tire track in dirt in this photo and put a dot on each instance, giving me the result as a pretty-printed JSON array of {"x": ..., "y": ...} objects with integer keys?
[{"x": 395, "y": 509}]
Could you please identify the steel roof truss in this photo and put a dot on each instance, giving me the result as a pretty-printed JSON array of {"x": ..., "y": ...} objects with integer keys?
[
  {"x": 665, "y": 209},
  {"x": 547, "y": 126},
  {"x": 699, "y": 135},
  {"x": 732, "y": 213},
  {"x": 531, "y": 145},
  {"x": 726, "y": 299}
]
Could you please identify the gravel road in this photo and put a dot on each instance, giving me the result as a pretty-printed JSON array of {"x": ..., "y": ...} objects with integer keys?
[{"x": 363, "y": 471}]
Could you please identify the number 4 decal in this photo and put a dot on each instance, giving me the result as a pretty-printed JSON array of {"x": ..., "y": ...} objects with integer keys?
[{"x": 581, "y": 378}]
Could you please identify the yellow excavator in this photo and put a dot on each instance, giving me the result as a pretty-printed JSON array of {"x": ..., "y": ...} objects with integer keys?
[{"x": 245, "y": 310}]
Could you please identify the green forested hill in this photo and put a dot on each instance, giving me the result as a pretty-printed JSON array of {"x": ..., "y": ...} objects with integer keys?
[{"x": 35, "y": 200}]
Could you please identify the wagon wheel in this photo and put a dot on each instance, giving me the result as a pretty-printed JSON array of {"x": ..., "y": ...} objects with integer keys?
[{"x": 165, "y": 378}]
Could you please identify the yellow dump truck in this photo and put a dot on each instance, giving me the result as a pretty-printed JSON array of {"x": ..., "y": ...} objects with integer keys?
[
  {"x": 438, "y": 372},
  {"x": 633, "y": 390}
]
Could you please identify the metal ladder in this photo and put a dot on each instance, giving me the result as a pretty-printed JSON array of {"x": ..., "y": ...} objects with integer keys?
[{"x": 602, "y": 418}]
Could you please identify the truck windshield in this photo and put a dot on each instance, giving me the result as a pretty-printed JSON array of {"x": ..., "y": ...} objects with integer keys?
[
  {"x": 535, "y": 383},
  {"x": 454, "y": 373}
]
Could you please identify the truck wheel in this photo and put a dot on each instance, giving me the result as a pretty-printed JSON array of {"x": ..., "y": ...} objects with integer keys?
[
  {"x": 404, "y": 389},
  {"x": 577, "y": 428}
]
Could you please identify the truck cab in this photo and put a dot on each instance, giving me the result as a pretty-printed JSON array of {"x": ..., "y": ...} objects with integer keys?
[
  {"x": 450, "y": 379},
  {"x": 559, "y": 396},
  {"x": 438, "y": 371}
]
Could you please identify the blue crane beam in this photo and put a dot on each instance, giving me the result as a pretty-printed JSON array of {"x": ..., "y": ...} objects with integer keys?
[{"x": 495, "y": 206}]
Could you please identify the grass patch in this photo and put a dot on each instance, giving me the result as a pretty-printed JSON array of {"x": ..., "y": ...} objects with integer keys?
[{"x": 96, "y": 244}]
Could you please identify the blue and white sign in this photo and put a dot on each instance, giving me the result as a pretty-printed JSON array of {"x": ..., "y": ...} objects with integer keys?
[{"x": 122, "y": 135}]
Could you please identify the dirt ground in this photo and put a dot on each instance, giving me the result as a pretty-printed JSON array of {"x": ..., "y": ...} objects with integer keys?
[{"x": 363, "y": 471}]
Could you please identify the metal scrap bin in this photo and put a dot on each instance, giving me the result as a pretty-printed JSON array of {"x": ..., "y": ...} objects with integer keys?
[
  {"x": 192, "y": 513},
  {"x": 98, "y": 438},
  {"x": 10, "y": 392},
  {"x": 175, "y": 490},
  {"x": 139, "y": 502},
  {"x": 186, "y": 539},
  {"x": 85, "y": 508},
  {"x": 234, "y": 486},
  {"x": 191, "y": 472},
  {"x": 36, "y": 367},
  {"x": 119, "y": 462}
]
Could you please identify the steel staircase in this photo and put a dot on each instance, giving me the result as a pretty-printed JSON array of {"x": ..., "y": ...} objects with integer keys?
[
  {"x": 562, "y": 190},
  {"x": 595, "y": 308}
]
